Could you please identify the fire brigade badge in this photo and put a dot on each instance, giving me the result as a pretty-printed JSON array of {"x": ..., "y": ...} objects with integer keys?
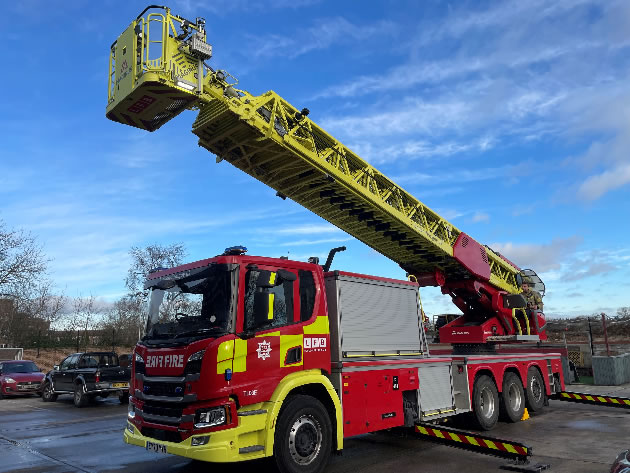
[{"x": 264, "y": 350}]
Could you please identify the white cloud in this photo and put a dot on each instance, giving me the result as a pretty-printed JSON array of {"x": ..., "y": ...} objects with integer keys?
[
  {"x": 596, "y": 186},
  {"x": 540, "y": 257},
  {"x": 481, "y": 217},
  {"x": 321, "y": 35},
  {"x": 315, "y": 242},
  {"x": 307, "y": 229}
]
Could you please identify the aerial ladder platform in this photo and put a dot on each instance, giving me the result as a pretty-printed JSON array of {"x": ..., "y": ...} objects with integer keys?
[{"x": 158, "y": 69}]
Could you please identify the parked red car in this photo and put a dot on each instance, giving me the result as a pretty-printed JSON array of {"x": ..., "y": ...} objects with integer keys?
[{"x": 19, "y": 377}]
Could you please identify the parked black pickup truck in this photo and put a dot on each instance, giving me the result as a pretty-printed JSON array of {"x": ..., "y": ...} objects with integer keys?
[{"x": 87, "y": 375}]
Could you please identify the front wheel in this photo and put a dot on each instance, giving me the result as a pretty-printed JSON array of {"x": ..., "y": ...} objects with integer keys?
[
  {"x": 48, "y": 394},
  {"x": 303, "y": 438}
]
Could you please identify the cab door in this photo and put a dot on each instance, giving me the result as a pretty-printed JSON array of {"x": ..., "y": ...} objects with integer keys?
[
  {"x": 271, "y": 336},
  {"x": 62, "y": 379}
]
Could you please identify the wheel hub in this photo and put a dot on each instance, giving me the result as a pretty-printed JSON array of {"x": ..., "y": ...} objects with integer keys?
[
  {"x": 535, "y": 388},
  {"x": 487, "y": 403},
  {"x": 515, "y": 398},
  {"x": 305, "y": 440}
]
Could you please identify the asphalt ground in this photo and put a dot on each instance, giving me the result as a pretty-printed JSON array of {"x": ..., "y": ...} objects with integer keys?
[{"x": 58, "y": 437}]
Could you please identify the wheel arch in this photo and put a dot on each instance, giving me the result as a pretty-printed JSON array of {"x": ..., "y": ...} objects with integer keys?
[
  {"x": 512, "y": 369},
  {"x": 311, "y": 383},
  {"x": 481, "y": 372},
  {"x": 79, "y": 380}
]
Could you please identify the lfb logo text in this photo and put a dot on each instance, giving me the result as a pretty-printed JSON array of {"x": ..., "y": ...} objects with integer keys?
[{"x": 314, "y": 343}]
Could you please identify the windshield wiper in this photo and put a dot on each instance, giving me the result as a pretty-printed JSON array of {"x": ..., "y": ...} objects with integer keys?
[{"x": 200, "y": 331}]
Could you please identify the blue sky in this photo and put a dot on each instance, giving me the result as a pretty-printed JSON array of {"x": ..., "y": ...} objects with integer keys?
[{"x": 509, "y": 118}]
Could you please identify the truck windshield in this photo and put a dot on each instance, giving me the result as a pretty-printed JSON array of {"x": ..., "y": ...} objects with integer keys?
[{"x": 193, "y": 306}]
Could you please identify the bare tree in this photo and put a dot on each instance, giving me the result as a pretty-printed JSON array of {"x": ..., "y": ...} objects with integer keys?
[
  {"x": 623, "y": 312},
  {"x": 82, "y": 317},
  {"x": 22, "y": 261},
  {"x": 125, "y": 320},
  {"x": 144, "y": 260},
  {"x": 25, "y": 292}
]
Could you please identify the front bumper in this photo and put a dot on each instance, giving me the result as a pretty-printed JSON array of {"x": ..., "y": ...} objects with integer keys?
[
  {"x": 246, "y": 441},
  {"x": 15, "y": 390}
]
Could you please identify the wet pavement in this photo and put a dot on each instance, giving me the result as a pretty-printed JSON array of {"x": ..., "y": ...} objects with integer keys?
[{"x": 57, "y": 437}]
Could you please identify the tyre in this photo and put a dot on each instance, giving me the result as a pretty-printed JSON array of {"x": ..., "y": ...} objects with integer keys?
[
  {"x": 124, "y": 398},
  {"x": 535, "y": 390},
  {"x": 303, "y": 437},
  {"x": 485, "y": 403},
  {"x": 80, "y": 396},
  {"x": 512, "y": 398},
  {"x": 48, "y": 394}
]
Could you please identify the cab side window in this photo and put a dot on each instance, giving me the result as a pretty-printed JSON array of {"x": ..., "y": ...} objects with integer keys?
[
  {"x": 65, "y": 364},
  {"x": 307, "y": 295},
  {"x": 267, "y": 305},
  {"x": 73, "y": 362}
]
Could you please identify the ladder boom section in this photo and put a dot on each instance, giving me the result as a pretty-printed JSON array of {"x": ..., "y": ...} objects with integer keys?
[
  {"x": 157, "y": 69},
  {"x": 275, "y": 143}
]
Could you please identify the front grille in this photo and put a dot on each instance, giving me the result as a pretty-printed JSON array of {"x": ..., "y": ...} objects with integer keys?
[
  {"x": 174, "y": 412},
  {"x": 164, "y": 435},
  {"x": 164, "y": 389}
]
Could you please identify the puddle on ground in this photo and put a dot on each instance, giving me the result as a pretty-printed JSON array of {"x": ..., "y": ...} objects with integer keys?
[{"x": 591, "y": 425}]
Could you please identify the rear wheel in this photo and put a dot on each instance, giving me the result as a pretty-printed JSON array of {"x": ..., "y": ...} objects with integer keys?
[
  {"x": 303, "y": 438},
  {"x": 485, "y": 403},
  {"x": 124, "y": 397},
  {"x": 48, "y": 394},
  {"x": 535, "y": 390},
  {"x": 512, "y": 398},
  {"x": 80, "y": 396}
]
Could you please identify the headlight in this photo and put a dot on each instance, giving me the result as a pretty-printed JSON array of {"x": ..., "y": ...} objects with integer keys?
[
  {"x": 131, "y": 410},
  {"x": 138, "y": 363},
  {"x": 9, "y": 380},
  {"x": 210, "y": 417},
  {"x": 196, "y": 356}
]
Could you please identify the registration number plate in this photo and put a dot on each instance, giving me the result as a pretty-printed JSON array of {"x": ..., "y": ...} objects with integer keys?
[
  {"x": 120, "y": 385},
  {"x": 156, "y": 447}
]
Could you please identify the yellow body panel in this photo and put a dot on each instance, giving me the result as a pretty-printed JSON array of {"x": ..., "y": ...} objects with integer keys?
[{"x": 258, "y": 429}]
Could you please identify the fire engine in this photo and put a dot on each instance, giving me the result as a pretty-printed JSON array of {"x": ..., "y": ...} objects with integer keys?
[{"x": 247, "y": 357}]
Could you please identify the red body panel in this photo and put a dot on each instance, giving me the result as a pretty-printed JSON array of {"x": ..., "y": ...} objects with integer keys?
[
  {"x": 372, "y": 400},
  {"x": 472, "y": 256}
]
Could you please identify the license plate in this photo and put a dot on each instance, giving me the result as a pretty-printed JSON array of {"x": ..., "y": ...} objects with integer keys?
[
  {"x": 120, "y": 385},
  {"x": 155, "y": 447}
]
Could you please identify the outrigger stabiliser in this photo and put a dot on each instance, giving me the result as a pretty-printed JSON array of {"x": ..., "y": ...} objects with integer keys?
[
  {"x": 595, "y": 399},
  {"x": 517, "y": 452}
]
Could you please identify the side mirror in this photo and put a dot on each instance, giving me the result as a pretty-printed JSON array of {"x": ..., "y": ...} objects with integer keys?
[
  {"x": 519, "y": 279},
  {"x": 56, "y": 368}
]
